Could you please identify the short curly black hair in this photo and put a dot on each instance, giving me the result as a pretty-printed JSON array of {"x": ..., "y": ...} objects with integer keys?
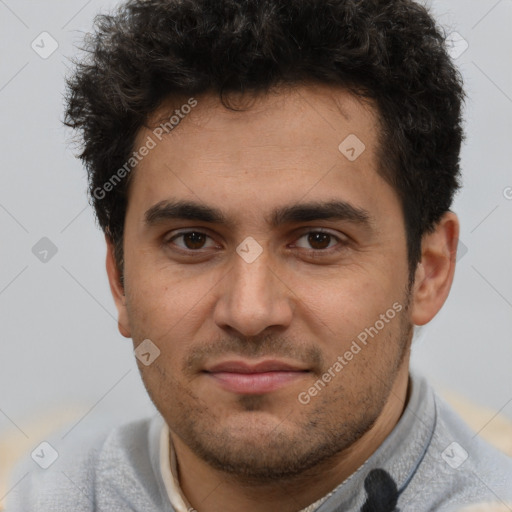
[{"x": 389, "y": 51}]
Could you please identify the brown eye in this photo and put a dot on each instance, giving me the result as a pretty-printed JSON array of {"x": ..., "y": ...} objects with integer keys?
[
  {"x": 194, "y": 240},
  {"x": 191, "y": 240},
  {"x": 319, "y": 240}
]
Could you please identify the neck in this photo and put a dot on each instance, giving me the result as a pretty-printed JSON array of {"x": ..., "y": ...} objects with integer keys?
[{"x": 210, "y": 490}]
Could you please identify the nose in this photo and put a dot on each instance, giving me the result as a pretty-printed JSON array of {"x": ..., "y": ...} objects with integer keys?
[{"x": 253, "y": 297}]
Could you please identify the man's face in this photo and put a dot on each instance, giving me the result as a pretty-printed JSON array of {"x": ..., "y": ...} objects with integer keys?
[{"x": 250, "y": 312}]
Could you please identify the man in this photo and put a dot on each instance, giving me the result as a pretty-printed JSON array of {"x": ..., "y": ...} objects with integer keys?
[{"x": 274, "y": 182}]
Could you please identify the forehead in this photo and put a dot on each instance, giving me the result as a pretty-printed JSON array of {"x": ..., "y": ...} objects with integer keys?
[
  {"x": 303, "y": 115},
  {"x": 280, "y": 146}
]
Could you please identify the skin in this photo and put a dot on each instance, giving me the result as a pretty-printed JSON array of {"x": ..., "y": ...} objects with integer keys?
[{"x": 255, "y": 452}]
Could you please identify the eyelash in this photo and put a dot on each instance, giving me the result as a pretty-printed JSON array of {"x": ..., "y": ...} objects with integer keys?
[{"x": 342, "y": 243}]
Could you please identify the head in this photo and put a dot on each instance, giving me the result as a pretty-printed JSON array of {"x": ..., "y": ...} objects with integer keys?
[{"x": 274, "y": 182}]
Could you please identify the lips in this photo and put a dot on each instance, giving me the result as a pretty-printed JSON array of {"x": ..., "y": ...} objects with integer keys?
[
  {"x": 242, "y": 377},
  {"x": 261, "y": 367}
]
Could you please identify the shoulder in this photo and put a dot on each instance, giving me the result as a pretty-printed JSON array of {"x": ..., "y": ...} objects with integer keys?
[
  {"x": 88, "y": 468},
  {"x": 460, "y": 467}
]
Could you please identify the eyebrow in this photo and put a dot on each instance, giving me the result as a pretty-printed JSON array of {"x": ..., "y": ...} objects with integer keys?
[{"x": 294, "y": 213}]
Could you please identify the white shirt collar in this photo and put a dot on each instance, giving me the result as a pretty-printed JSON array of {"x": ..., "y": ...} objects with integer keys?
[{"x": 169, "y": 472}]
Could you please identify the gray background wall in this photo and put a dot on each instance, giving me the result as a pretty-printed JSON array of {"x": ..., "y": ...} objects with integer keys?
[{"x": 59, "y": 341}]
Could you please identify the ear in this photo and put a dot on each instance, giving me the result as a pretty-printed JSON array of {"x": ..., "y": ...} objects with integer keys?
[
  {"x": 434, "y": 274},
  {"x": 114, "y": 278}
]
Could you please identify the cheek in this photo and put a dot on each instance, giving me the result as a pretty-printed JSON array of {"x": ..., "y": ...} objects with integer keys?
[
  {"x": 349, "y": 301},
  {"x": 167, "y": 307},
  {"x": 362, "y": 325},
  {"x": 154, "y": 307}
]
